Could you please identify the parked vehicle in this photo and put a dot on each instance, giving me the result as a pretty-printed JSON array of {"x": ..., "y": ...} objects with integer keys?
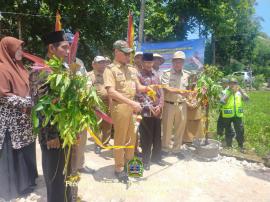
[{"x": 246, "y": 76}]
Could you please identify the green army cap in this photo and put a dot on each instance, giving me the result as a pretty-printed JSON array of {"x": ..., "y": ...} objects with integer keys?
[
  {"x": 122, "y": 46},
  {"x": 234, "y": 80}
]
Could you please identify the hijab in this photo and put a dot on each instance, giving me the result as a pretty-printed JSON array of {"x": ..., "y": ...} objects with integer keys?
[{"x": 14, "y": 78}]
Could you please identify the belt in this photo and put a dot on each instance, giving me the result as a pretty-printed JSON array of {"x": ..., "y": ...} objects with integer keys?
[{"x": 174, "y": 103}]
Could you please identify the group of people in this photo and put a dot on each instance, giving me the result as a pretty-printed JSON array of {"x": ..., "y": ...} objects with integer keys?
[{"x": 171, "y": 117}]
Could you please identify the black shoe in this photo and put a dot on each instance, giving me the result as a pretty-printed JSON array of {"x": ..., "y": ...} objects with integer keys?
[
  {"x": 97, "y": 150},
  {"x": 87, "y": 170},
  {"x": 243, "y": 150},
  {"x": 180, "y": 156},
  {"x": 27, "y": 191},
  {"x": 146, "y": 166},
  {"x": 122, "y": 176},
  {"x": 159, "y": 162}
]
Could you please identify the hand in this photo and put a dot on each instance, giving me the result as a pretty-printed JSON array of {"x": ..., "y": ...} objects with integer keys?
[
  {"x": 26, "y": 111},
  {"x": 136, "y": 106},
  {"x": 53, "y": 143},
  {"x": 153, "y": 87},
  {"x": 234, "y": 88},
  {"x": 156, "y": 111},
  {"x": 192, "y": 105},
  {"x": 184, "y": 94}
]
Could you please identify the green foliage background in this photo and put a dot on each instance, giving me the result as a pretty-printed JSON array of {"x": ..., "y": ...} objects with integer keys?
[{"x": 229, "y": 24}]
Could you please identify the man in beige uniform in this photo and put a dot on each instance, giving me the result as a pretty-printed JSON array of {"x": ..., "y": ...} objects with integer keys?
[
  {"x": 96, "y": 76},
  {"x": 121, "y": 82},
  {"x": 175, "y": 108}
]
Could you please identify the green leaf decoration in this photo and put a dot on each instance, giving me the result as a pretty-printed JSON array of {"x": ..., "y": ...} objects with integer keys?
[{"x": 69, "y": 105}]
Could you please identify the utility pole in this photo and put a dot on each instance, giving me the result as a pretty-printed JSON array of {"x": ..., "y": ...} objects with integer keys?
[
  {"x": 214, "y": 49},
  {"x": 19, "y": 27},
  {"x": 141, "y": 24}
]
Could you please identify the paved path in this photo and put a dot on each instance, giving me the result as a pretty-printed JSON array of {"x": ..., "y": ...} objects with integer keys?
[{"x": 188, "y": 180}]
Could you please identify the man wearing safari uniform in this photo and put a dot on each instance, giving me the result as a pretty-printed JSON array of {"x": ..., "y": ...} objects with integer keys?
[
  {"x": 175, "y": 107},
  {"x": 96, "y": 76},
  {"x": 121, "y": 83}
]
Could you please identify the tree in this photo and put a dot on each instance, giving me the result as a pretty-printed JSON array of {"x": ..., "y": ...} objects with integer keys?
[
  {"x": 100, "y": 22},
  {"x": 230, "y": 23}
]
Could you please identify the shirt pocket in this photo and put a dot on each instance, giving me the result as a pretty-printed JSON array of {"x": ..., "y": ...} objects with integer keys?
[
  {"x": 120, "y": 80},
  {"x": 133, "y": 76}
]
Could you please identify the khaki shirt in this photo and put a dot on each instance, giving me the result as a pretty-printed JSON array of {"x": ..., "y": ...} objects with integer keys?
[
  {"x": 122, "y": 77},
  {"x": 176, "y": 80},
  {"x": 98, "y": 82}
]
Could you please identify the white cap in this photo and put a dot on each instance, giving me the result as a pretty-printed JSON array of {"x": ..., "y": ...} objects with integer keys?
[
  {"x": 138, "y": 53},
  {"x": 156, "y": 55},
  {"x": 98, "y": 59},
  {"x": 179, "y": 55}
]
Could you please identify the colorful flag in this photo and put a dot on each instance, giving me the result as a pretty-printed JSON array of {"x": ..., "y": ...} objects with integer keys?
[
  {"x": 130, "y": 32},
  {"x": 73, "y": 48},
  {"x": 58, "y": 26}
]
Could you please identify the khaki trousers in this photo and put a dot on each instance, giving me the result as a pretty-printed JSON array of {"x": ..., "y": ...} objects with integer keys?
[
  {"x": 174, "y": 121},
  {"x": 77, "y": 156},
  {"x": 193, "y": 130},
  {"x": 124, "y": 134}
]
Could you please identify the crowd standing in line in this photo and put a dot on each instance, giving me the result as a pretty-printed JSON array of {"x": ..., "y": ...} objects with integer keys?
[{"x": 173, "y": 117}]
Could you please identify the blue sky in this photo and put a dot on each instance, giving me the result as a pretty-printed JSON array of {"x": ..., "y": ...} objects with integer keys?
[{"x": 263, "y": 10}]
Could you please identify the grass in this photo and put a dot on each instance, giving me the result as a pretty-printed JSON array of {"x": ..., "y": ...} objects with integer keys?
[{"x": 256, "y": 122}]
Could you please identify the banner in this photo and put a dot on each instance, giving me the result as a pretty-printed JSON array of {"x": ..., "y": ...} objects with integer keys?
[{"x": 194, "y": 50}]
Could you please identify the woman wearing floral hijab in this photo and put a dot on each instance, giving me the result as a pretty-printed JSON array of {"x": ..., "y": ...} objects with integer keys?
[{"x": 17, "y": 142}]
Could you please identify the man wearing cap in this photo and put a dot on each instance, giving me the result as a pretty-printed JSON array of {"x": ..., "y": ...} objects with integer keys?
[
  {"x": 232, "y": 112},
  {"x": 150, "y": 125},
  {"x": 158, "y": 60},
  {"x": 121, "y": 82},
  {"x": 53, "y": 155},
  {"x": 138, "y": 60},
  {"x": 175, "y": 107},
  {"x": 96, "y": 76}
]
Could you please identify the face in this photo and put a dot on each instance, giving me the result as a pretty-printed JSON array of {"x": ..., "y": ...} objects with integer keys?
[
  {"x": 148, "y": 65},
  {"x": 60, "y": 51},
  {"x": 157, "y": 62},
  {"x": 18, "y": 53},
  {"x": 99, "y": 66},
  {"x": 122, "y": 57},
  {"x": 234, "y": 86},
  {"x": 178, "y": 64},
  {"x": 138, "y": 60}
]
